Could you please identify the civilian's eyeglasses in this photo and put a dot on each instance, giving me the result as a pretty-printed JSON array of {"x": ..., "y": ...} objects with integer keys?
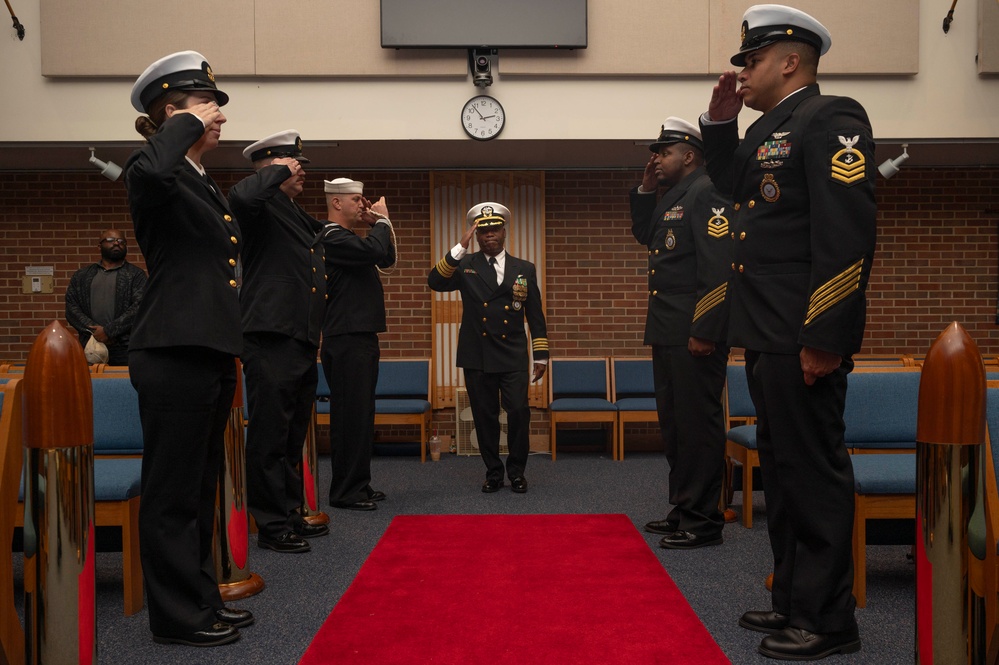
[{"x": 114, "y": 241}]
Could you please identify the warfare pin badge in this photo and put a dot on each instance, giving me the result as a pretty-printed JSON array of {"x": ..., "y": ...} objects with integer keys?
[
  {"x": 769, "y": 188},
  {"x": 670, "y": 240}
]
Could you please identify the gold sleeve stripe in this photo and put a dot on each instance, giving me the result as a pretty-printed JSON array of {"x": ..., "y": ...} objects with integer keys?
[
  {"x": 711, "y": 300},
  {"x": 539, "y": 344},
  {"x": 834, "y": 291},
  {"x": 445, "y": 268}
]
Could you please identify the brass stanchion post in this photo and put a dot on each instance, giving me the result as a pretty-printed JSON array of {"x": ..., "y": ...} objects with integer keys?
[
  {"x": 950, "y": 426},
  {"x": 59, "y": 604},
  {"x": 310, "y": 477},
  {"x": 232, "y": 538}
]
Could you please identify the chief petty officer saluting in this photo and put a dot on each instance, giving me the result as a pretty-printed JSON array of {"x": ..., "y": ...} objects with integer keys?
[
  {"x": 183, "y": 346},
  {"x": 804, "y": 237},
  {"x": 498, "y": 292}
]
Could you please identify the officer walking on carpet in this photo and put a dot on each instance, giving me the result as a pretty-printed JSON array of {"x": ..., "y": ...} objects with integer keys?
[{"x": 498, "y": 293}]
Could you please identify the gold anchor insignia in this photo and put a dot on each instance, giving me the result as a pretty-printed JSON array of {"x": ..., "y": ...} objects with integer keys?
[
  {"x": 718, "y": 225},
  {"x": 849, "y": 165},
  {"x": 769, "y": 188},
  {"x": 208, "y": 71},
  {"x": 298, "y": 143}
]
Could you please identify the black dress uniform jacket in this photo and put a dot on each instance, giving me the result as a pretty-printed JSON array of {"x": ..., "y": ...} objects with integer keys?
[
  {"x": 803, "y": 186},
  {"x": 284, "y": 277},
  {"x": 492, "y": 337},
  {"x": 356, "y": 300},
  {"x": 182, "y": 364},
  {"x": 191, "y": 242},
  {"x": 689, "y": 247}
]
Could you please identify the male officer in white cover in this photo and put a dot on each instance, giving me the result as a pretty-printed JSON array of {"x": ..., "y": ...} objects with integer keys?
[
  {"x": 498, "y": 292},
  {"x": 283, "y": 300},
  {"x": 803, "y": 185}
]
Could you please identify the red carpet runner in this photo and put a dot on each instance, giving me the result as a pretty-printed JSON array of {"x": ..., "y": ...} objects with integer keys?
[{"x": 545, "y": 589}]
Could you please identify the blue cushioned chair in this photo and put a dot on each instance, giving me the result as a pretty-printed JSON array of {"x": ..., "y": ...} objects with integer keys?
[
  {"x": 579, "y": 391},
  {"x": 117, "y": 426},
  {"x": 402, "y": 396},
  {"x": 881, "y": 409},
  {"x": 740, "y": 442},
  {"x": 322, "y": 399},
  {"x": 634, "y": 395},
  {"x": 884, "y": 488}
]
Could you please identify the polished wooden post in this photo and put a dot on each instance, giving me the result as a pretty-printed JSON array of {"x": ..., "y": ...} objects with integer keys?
[
  {"x": 311, "y": 511},
  {"x": 950, "y": 427},
  {"x": 59, "y": 604},
  {"x": 232, "y": 538}
]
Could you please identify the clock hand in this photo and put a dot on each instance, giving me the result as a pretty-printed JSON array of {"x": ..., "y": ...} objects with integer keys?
[{"x": 477, "y": 111}]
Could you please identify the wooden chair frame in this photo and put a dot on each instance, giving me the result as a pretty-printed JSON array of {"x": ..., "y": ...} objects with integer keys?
[
  {"x": 604, "y": 417},
  {"x": 625, "y": 417},
  {"x": 421, "y": 420},
  {"x": 11, "y": 461}
]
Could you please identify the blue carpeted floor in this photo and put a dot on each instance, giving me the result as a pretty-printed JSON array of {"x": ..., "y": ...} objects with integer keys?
[{"x": 719, "y": 582}]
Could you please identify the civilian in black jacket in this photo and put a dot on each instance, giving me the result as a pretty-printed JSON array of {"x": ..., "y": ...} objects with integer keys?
[
  {"x": 498, "y": 293},
  {"x": 106, "y": 311},
  {"x": 283, "y": 299},
  {"x": 688, "y": 241},
  {"x": 803, "y": 183},
  {"x": 182, "y": 355},
  {"x": 355, "y": 314}
]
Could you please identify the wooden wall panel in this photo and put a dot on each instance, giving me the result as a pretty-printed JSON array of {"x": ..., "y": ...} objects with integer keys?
[
  {"x": 123, "y": 37},
  {"x": 867, "y": 37},
  {"x": 988, "y": 42},
  {"x": 626, "y": 38},
  {"x": 339, "y": 38}
]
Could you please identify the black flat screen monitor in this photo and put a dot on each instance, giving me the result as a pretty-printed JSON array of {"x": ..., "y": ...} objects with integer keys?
[{"x": 483, "y": 24}]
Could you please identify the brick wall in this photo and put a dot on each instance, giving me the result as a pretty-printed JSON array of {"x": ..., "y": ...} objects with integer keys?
[{"x": 936, "y": 262}]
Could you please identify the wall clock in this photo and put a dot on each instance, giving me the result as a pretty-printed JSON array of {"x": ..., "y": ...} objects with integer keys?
[{"x": 482, "y": 118}]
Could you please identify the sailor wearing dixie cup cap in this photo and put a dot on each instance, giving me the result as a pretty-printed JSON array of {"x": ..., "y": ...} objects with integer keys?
[
  {"x": 804, "y": 237},
  {"x": 355, "y": 314},
  {"x": 499, "y": 293},
  {"x": 184, "y": 344},
  {"x": 283, "y": 299},
  {"x": 687, "y": 238}
]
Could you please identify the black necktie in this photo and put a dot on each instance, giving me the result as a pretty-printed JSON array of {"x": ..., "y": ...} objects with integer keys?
[{"x": 492, "y": 270}]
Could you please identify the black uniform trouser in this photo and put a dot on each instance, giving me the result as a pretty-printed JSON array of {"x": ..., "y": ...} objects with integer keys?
[
  {"x": 350, "y": 363},
  {"x": 486, "y": 391},
  {"x": 692, "y": 423},
  {"x": 185, "y": 398},
  {"x": 808, "y": 484},
  {"x": 281, "y": 378}
]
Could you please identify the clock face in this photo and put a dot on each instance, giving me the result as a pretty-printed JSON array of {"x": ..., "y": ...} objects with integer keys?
[{"x": 482, "y": 118}]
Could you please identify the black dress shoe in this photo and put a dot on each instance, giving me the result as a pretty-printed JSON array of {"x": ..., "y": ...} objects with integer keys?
[
  {"x": 800, "y": 644},
  {"x": 375, "y": 495},
  {"x": 219, "y": 634},
  {"x": 519, "y": 484},
  {"x": 764, "y": 622},
  {"x": 306, "y": 530},
  {"x": 491, "y": 486},
  {"x": 684, "y": 540},
  {"x": 286, "y": 543},
  {"x": 663, "y": 527},
  {"x": 233, "y": 617},
  {"x": 357, "y": 505}
]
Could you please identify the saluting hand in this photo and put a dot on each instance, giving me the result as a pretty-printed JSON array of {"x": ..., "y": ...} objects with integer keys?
[
  {"x": 649, "y": 180},
  {"x": 209, "y": 112},
  {"x": 378, "y": 207},
  {"x": 725, "y": 101},
  {"x": 466, "y": 237}
]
